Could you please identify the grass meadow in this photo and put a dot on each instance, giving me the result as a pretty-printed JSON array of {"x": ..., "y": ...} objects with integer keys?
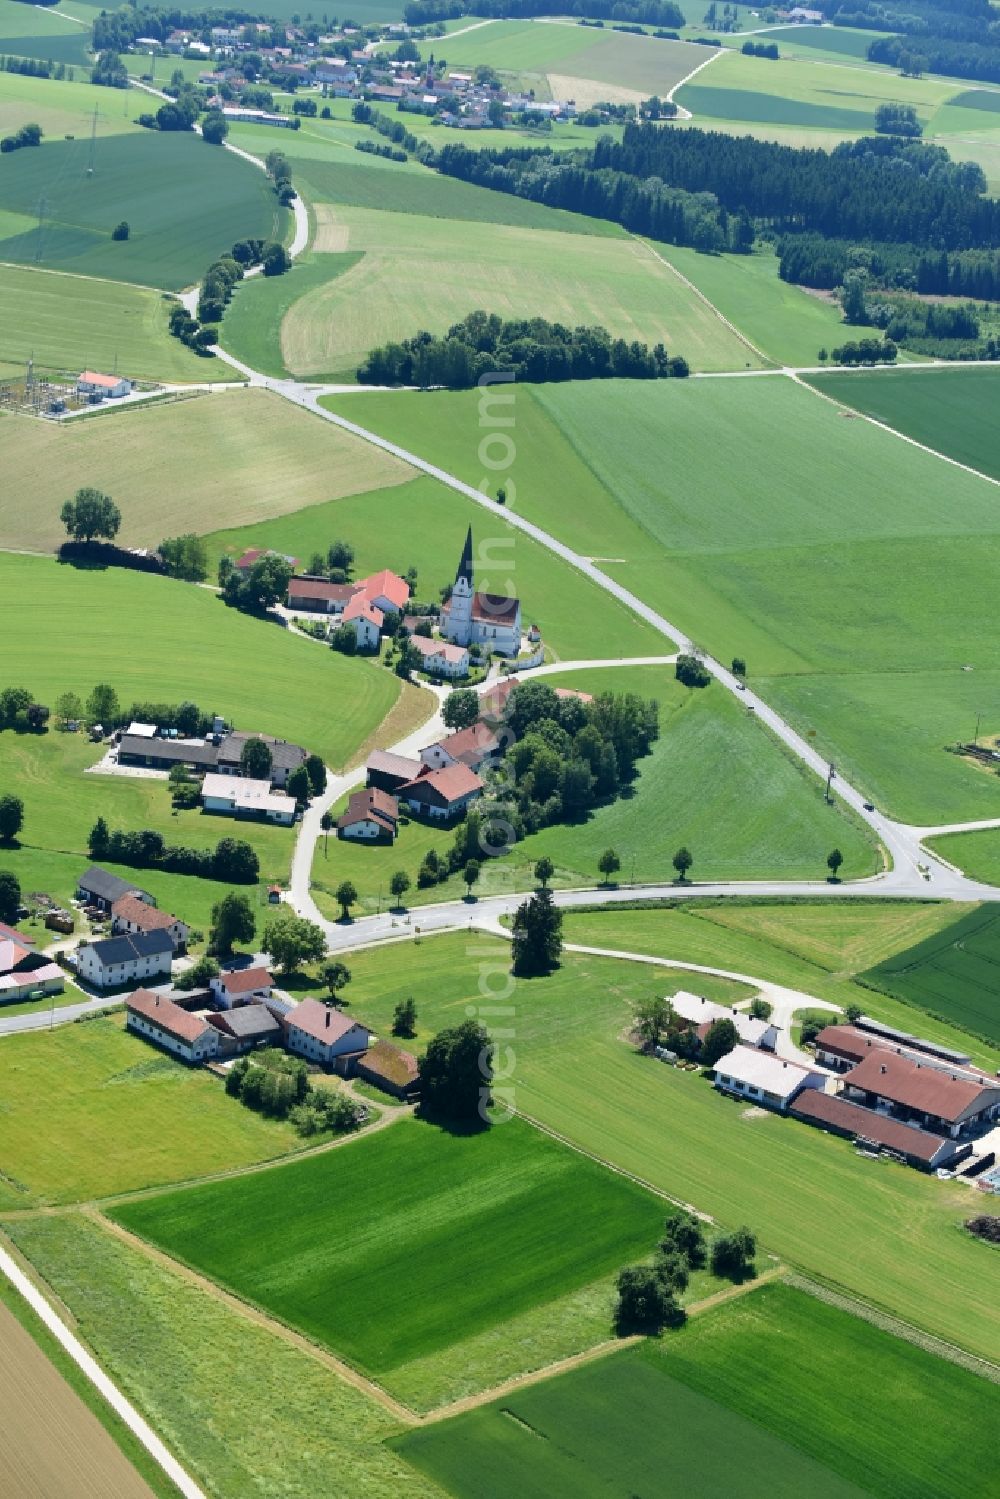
[
  {"x": 977, "y": 853},
  {"x": 810, "y": 1198},
  {"x": 952, "y": 974},
  {"x": 251, "y": 329},
  {"x": 334, "y": 1233},
  {"x": 175, "y": 192},
  {"x": 122, "y": 1116},
  {"x": 63, "y": 107},
  {"x": 69, "y": 324},
  {"x": 32, "y": 31},
  {"x": 308, "y": 1432},
  {"x": 226, "y": 459},
  {"x": 670, "y": 1414}
]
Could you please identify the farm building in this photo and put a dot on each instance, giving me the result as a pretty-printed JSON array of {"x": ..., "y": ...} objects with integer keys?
[
  {"x": 471, "y": 618},
  {"x": 762, "y": 1078},
  {"x": 440, "y": 657},
  {"x": 239, "y": 796},
  {"x": 159, "y": 1020},
  {"x": 703, "y": 1013},
  {"x": 325, "y": 1035},
  {"x": 442, "y": 794},
  {"x": 245, "y": 562},
  {"x": 98, "y": 887},
  {"x": 926, "y": 1093},
  {"x": 24, "y": 973},
  {"x": 390, "y": 1068},
  {"x": 156, "y": 753},
  {"x": 130, "y": 914},
  {"x": 246, "y": 1028},
  {"x": 242, "y": 986},
  {"x": 475, "y": 746},
  {"x": 841, "y": 1047},
  {"x": 124, "y": 960},
  {"x": 917, "y": 1146},
  {"x": 318, "y": 596},
  {"x": 371, "y": 815},
  {"x": 388, "y": 771},
  {"x": 90, "y": 383},
  {"x": 285, "y": 756}
]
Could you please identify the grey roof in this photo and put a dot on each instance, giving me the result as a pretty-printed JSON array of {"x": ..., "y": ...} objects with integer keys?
[
  {"x": 177, "y": 751},
  {"x": 108, "y": 886},
  {"x": 284, "y": 756},
  {"x": 247, "y": 1021},
  {"x": 131, "y": 945}
]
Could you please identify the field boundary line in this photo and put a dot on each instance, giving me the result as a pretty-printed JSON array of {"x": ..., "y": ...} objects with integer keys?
[
  {"x": 89, "y": 1366},
  {"x": 250, "y": 1312},
  {"x": 775, "y": 368},
  {"x": 928, "y": 1341}
]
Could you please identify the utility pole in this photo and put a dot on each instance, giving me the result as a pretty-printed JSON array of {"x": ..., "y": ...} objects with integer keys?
[
  {"x": 978, "y": 718},
  {"x": 93, "y": 143},
  {"x": 829, "y": 781}
]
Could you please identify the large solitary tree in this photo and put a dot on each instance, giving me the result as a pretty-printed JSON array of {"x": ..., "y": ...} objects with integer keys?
[
  {"x": 232, "y": 921},
  {"x": 461, "y": 708},
  {"x": 537, "y": 935},
  {"x": 456, "y": 1074},
  {"x": 11, "y": 817},
  {"x": 292, "y": 940},
  {"x": 91, "y": 514}
]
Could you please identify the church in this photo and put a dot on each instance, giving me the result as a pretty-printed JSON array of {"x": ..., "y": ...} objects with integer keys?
[{"x": 490, "y": 620}]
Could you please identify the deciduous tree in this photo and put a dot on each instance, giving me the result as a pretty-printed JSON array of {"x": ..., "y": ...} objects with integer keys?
[
  {"x": 346, "y": 896},
  {"x": 232, "y": 921},
  {"x": 91, "y": 514},
  {"x": 456, "y": 1074},
  {"x": 11, "y": 817},
  {"x": 10, "y": 895},
  {"x": 256, "y": 760},
  {"x": 292, "y": 940}
]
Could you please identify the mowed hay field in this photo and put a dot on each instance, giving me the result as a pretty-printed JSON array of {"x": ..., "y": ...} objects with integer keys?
[
  {"x": 68, "y": 323},
  {"x": 767, "y": 1376},
  {"x": 226, "y": 459},
  {"x": 952, "y": 411},
  {"x": 417, "y": 273},
  {"x": 954, "y": 974},
  {"x": 173, "y": 190},
  {"x": 155, "y": 639},
  {"x": 124, "y": 1116},
  {"x": 61, "y": 106},
  {"x": 490, "y": 1224}
]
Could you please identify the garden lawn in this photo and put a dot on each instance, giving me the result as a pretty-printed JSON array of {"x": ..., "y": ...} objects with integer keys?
[
  {"x": 336, "y": 1232},
  {"x": 951, "y": 411},
  {"x": 769, "y": 1376},
  {"x": 119, "y": 1115},
  {"x": 186, "y": 204},
  {"x": 415, "y": 273},
  {"x": 69, "y": 324},
  {"x": 809, "y": 1197},
  {"x": 953, "y": 974},
  {"x": 188, "y": 464},
  {"x": 183, "y": 643},
  {"x": 307, "y": 1433}
]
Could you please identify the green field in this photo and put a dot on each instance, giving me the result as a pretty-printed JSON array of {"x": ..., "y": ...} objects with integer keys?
[
  {"x": 63, "y": 107},
  {"x": 251, "y": 329},
  {"x": 185, "y": 202},
  {"x": 811, "y": 1199},
  {"x": 954, "y": 974},
  {"x": 834, "y": 41},
  {"x": 252, "y": 456},
  {"x": 977, "y": 853},
  {"x": 951, "y": 411},
  {"x": 747, "y": 812},
  {"x": 119, "y": 1115},
  {"x": 668, "y": 1416},
  {"x": 243, "y": 1410},
  {"x": 33, "y": 31},
  {"x": 67, "y": 323},
  {"x": 181, "y": 642},
  {"x": 336, "y": 1232}
]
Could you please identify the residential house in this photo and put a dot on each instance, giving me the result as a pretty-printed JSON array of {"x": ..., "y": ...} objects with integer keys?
[
  {"x": 241, "y": 986},
  {"x": 367, "y": 620},
  {"x": 285, "y": 757},
  {"x": 441, "y": 658},
  {"x": 475, "y": 746},
  {"x": 371, "y": 816},
  {"x": 115, "y": 961},
  {"x": 390, "y": 1068},
  {"x": 919, "y": 1148},
  {"x": 703, "y": 1013},
  {"x": 246, "y": 1028},
  {"x": 764, "y": 1079},
  {"x": 324, "y": 1035},
  {"x": 244, "y": 563},
  {"x": 388, "y": 771},
  {"x": 90, "y": 383},
  {"x": 159, "y": 1020},
  {"x": 924, "y": 1092},
  {"x": 387, "y": 591},
  {"x": 442, "y": 794},
  {"x": 469, "y": 618},
  {"x": 98, "y": 887},
  {"x": 241, "y": 796},
  {"x": 130, "y": 914}
]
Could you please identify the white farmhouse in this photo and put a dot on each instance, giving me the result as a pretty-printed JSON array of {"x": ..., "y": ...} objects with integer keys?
[
  {"x": 764, "y": 1079},
  {"x": 324, "y": 1035},
  {"x": 159, "y": 1020}
]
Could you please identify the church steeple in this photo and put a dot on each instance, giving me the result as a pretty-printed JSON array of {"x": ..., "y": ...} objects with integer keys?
[{"x": 465, "y": 566}]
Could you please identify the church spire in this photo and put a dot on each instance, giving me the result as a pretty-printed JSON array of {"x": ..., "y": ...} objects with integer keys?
[{"x": 465, "y": 566}]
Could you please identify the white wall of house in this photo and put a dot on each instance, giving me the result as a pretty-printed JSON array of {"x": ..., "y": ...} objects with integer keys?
[
  {"x": 304, "y": 1045},
  {"x": 366, "y": 829},
  {"x": 106, "y": 977},
  {"x": 207, "y": 1044},
  {"x": 365, "y": 633}
]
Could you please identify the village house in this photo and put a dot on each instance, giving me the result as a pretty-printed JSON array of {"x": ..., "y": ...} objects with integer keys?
[
  {"x": 390, "y": 1068},
  {"x": 388, "y": 771},
  {"x": 241, "y": 986},
  {"x": 90, "y": 383},
  {"x": 833, "y": 1112},
  {"x": 942, "y": 1101},
  {"x": 703, "y": 1013},
  {"x": 98, "y": 887},
  {"x": 25, "y": 973},
  {"x": 469, "y": 618},
  {"x": 367, "y": 621},
  {"x": 241, "y": 796},
  {"x": 475, "y": 746},
  {"x": 387, "y": 591},
  {"x": 442, "y": 794},
  {"x": 324, "y": 1035},
  {"x": 130, "y": 914},
  {"x": 246, "y": 1028},
  {"x": 115, "y": 961},
  {"x": 285, "y": 756},
  {"x": 371, "y": 816},
  {"x": 245, "y": 562},
  {"x": 159, "y": 1020},
  {"x": 317, "y": 595},
  {"x": 764, "y": 1079},
  {"x": 440, "y": 658},
  {"x": 157, "y": 753}
]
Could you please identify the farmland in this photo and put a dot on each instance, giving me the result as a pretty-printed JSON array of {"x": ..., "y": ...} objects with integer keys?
[
  {"x": 251, "y": 329},
  {"x": 36, "y": 32},
  {"x": 977, "y": 853},
  {"x": 952, "y": 974},
  {"x": 124, "y": 1116},
  {"x": 174, "y": 191},
  {"x": 256, "y": 457},
  {"x": 334, "y": 1232},
  {"x": 673, "y": 1413}
]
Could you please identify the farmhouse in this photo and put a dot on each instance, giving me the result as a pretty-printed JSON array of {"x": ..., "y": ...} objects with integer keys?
[
  {"x": 919, "y": 1148},
  {"x": 98, "y": 887},
  {"x": 487, "y": 619},
  {"x": 246, "y": 1028},
  {"x": 703, "y": 1013},
  {"x": 92, "y": 384},
  {"x": 244, "y": 563},
  {"x": 159, "y": 1020},
  {"x": 241, "y": 986},
  {"x": 388, "y": 771},
  {"x": 325, "y": 1035},
  {"x": 841, "y": 1047},
  {"x": 130, "y": 914},
  {"x": 24, "y": 973},
  {"x": 367, "y": 620},
  {"x": 240, "y": 796},
  {"x": 762, "y": 1078},
  {"x": 383, "y": 593},
  {"x": 123, "y": 960},
  {"x": 156, "y": 753},
  {"x": 285, "y": 757},
  {"x": 942, "y": 1101},
  {"x": 371, "y": 815},
  {"x": 442, "y": 793},
  {"x": 393, "y": 1070},
  {"x": 319, "y": 596},
  {"x": 440, "y": 658},
  {"x": 475, "y": 746},
  {"x": 386, "y": 590}
]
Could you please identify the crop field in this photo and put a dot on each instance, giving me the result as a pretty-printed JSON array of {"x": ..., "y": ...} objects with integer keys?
[
  {"x": 33, "y": 31},
  {"x": 123, "y": 1116},
  {"x": 173, "y": 190},
  {"x": 70, "y": 324},
  {"x": 954, "y": 974},
  {"x": 61, "y": 106},
  {"x": 310, "y": 1433},
  {"x": 333, "y": 1233},
  {"x": 747, "y": 812},
  {"x": 254, "y": 456},
  {"x": 422, "y": 524},
  {"x": 574, "y": 1069},
  {"x": 951, "y": 411},
  {"x": 669, "y": 1415},
  {"x": 184, "y": 643},
  {"x": 831, "y": 42},
  {"x": 417, "y": 274}
]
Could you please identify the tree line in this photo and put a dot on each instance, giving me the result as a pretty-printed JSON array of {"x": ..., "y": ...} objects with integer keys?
[
  {"x": 232, "y": 859},
  {"x": 811, "y": 260},
  {"x": 533, "y": 348},
  {"x": 645, "y": 12}
]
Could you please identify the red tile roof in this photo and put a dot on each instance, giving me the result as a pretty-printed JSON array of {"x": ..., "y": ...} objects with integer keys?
[
  {"x": 386, "y": 585},
  {"x": 362, "y": 608},
  {"x": 90, "y": 377},
  {"x": 165, "y": 1014},
  {"x": 319, "y": 588},
  {"x": 386, "y": 763},
  {"x": 450, "y": 784},
  {"x": 322, "y": 1022},
  {"x": 472, "y": 745},
  {"x": 391, "y": 1062},
  {"x": 254, "y": 554},
  {"x": 245, "y": 980},
  {"x": 566, "y": 692},
  {"x": 851, "y": 1118},
  {"x": 374, "y": 804},
  {"x": 495, "y": 608},
  {"x": 443, "y": 648},
  {"x": 918, "y": 1085},
  {"x": 147, "y": 918}
]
